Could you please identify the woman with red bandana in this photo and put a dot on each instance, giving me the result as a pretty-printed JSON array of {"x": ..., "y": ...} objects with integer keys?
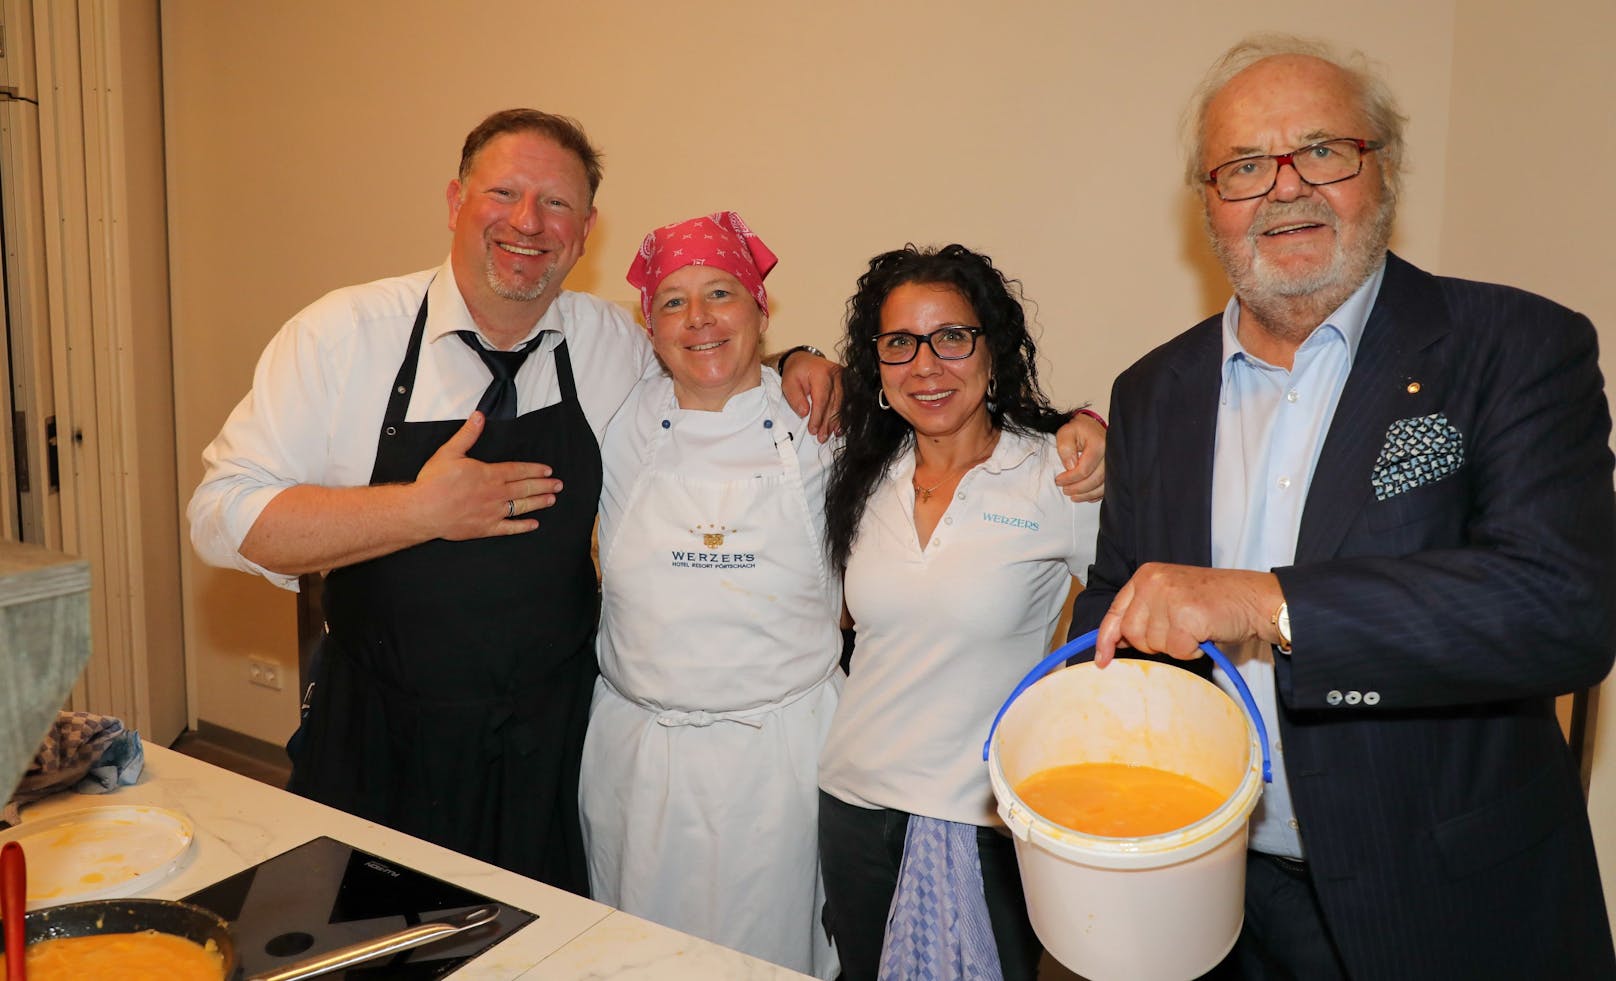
[{"x": 719, "y": 645}]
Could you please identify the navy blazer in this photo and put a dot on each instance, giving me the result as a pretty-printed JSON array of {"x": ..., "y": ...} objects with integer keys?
[{"x": 1455, "y": 571}]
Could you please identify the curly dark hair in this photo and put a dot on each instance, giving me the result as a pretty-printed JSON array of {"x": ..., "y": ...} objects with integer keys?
[{"x": 875, "y": 437}]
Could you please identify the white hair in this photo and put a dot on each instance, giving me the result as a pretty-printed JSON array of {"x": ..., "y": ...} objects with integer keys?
[{"x": 1376, "y": 101}]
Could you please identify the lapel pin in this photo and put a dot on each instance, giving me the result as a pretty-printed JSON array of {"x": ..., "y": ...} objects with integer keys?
[{"x": 1413, "y": 388}]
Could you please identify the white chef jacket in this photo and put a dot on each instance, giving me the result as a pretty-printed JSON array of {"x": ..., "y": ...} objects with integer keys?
[
  {"x": 946, "y": 631},
  {"x": 321, "y": 388},
  {"x": 719, "y": 655}
]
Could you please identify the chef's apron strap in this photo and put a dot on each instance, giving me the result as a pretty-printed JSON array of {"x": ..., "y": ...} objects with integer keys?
[
  {"x": 786, "y": 446},
  {"x": 398, "y": 397},
  {"x": 563, "y": 367},
  {"x": 701, "y": 718}
]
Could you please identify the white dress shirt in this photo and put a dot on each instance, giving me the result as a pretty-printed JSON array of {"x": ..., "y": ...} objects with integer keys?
[
  {"x": 946, "y": 629},
  {"x": 1271, "y": 427},
  {"x": 315, "y": 410}
]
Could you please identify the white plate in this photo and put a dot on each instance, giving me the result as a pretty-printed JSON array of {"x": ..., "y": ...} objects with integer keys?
[{"x": 100, "y": 852}]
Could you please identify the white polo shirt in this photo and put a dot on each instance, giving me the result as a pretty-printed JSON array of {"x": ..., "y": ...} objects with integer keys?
[
  {"x": 315, "y": 410},
  {"x": 946, "y": 631}
]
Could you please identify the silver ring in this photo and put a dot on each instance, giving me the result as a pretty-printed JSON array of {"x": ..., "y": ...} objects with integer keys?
[{"x": 510, "y": 509}]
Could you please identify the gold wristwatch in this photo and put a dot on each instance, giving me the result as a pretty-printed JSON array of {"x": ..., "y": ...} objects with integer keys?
[{"x": 1282, "y": 623}]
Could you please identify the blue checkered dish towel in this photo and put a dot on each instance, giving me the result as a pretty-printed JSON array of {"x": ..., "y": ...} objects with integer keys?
[
  {"x": 84, "y": 752},
  {"x": 938, "y": 929}
]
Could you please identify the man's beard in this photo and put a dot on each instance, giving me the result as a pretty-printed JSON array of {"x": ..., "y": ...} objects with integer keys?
[
  {"x": 522, "y": 294},
  {"x": 1270, "y": 293}
]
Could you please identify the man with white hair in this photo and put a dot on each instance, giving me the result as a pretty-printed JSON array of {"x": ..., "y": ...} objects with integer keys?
[{"x": 1388, "y": 495}]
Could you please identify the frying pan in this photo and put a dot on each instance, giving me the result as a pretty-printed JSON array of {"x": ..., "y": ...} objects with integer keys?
[
  {"x": 201, "y": 925},
  {"x": 132, "y": 916}
]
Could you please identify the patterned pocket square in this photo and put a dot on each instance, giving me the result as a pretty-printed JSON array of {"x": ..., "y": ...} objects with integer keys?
[{"x": 1418, "y": 451}]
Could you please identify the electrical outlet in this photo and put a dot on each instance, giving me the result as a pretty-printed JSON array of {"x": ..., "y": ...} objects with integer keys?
[{"x": 263, "y": 671}]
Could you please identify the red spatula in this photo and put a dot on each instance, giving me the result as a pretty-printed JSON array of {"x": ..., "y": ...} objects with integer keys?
[{"x": 13, "y": 904}]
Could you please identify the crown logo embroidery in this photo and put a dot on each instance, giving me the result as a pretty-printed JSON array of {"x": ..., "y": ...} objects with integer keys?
[{"x": 712, "y": 536}]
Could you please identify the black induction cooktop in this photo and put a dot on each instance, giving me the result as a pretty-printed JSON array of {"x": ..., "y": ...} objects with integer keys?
[{"x": 325, "y": 894}]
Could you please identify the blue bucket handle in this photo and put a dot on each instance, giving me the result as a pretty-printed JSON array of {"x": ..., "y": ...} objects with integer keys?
[{"x": 1077, "y": 645}]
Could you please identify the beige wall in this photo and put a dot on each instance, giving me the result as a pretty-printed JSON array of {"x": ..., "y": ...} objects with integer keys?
[
  {"x": 309, "y": 144},
  {"x": 1532, "y": 140}
]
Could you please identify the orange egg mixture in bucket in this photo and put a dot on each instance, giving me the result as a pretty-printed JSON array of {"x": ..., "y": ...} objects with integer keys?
[
  {"x": 1127, "y": 791},
  {"x": 1117, "y": 800}
]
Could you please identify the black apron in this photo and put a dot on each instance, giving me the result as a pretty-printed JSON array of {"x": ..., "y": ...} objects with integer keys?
[{"x": 452, "y": 694}]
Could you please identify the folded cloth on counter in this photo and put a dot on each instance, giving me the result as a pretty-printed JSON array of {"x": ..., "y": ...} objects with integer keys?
[{"x": 84, "y": 752}]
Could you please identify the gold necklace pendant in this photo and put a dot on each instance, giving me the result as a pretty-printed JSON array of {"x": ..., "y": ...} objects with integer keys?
[{"x": 925, "y": 492}]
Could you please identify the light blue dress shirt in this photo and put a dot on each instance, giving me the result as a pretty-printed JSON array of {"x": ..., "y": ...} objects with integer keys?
[{"x": 1271, "y": 426}]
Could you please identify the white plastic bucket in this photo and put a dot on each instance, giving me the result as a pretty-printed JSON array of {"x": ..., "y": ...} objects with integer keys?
[{"x": 1162, "y": 907}]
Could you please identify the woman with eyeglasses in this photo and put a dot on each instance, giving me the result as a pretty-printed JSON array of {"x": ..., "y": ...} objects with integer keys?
[{"x": 958, "y": 554}]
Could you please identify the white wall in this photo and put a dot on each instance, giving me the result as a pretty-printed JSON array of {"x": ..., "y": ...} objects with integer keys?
[{"x": 309, "y": 144}]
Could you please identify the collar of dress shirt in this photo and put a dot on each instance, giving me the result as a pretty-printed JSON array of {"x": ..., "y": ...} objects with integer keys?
[
  {"x": 447, "y": 313},
  {"x": 1347, "y": 322}
]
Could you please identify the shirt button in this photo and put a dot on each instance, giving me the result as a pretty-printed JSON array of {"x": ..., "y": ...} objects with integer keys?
[
  {"x": 1291, "y": 396},
  {"x": 960, "y": 496},
  {"x": 1354, "y": 697},
  {"x": 948, "y": 521},
  {"x": 936, "y": 541},
  {"x": 1284, "y": 483},
  {"x": 1371, "y": 698},
  {"x": 1333, "y": 698},
  {"x": 1294, "y": 825}
]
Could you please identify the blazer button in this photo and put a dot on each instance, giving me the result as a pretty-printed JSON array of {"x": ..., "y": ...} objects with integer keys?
[
  {"x": 1353, "y": 697},
  {"x": 1371, "y": 698},
  {"x": 1334, "y": 698}
]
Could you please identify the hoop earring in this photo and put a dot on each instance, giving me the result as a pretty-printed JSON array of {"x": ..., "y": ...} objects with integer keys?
[{"x": 881, "y": 399}]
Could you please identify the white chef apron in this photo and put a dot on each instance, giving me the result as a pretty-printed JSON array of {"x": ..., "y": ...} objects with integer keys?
[{"x": 720, "y": 674}]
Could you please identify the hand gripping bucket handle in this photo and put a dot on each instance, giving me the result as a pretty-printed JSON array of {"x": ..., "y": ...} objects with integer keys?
[{"x": 1077, "y": 645}]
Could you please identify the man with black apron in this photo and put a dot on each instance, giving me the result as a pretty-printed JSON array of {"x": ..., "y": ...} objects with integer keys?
[
  {"x": 446, "y": 711},
  {"x": 452, "y": 691}
]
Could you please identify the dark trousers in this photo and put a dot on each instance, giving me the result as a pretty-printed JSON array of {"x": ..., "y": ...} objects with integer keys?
[
  {"x": 860, "y": 850},
  {"x": 1284, "y": 937}
]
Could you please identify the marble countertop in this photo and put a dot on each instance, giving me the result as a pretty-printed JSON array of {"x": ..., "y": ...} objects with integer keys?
[{"x": 240, "y": 822}]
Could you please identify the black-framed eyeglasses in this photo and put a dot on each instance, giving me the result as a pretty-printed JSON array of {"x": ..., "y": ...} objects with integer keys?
[
  {"x": 1326, "y": 162},
  {"x": 954, "y": 342}
]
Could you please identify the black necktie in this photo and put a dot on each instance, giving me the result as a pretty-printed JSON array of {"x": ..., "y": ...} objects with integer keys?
[{"x": 499, "y": 398}]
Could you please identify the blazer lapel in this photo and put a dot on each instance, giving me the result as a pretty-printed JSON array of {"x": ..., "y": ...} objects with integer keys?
[
  {"x": 1409, "y": 315},
  {"x": 1190, "y": 435}
]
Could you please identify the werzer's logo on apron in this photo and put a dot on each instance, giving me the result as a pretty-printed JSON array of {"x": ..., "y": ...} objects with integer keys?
[{"x": 709, "y": 557}]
